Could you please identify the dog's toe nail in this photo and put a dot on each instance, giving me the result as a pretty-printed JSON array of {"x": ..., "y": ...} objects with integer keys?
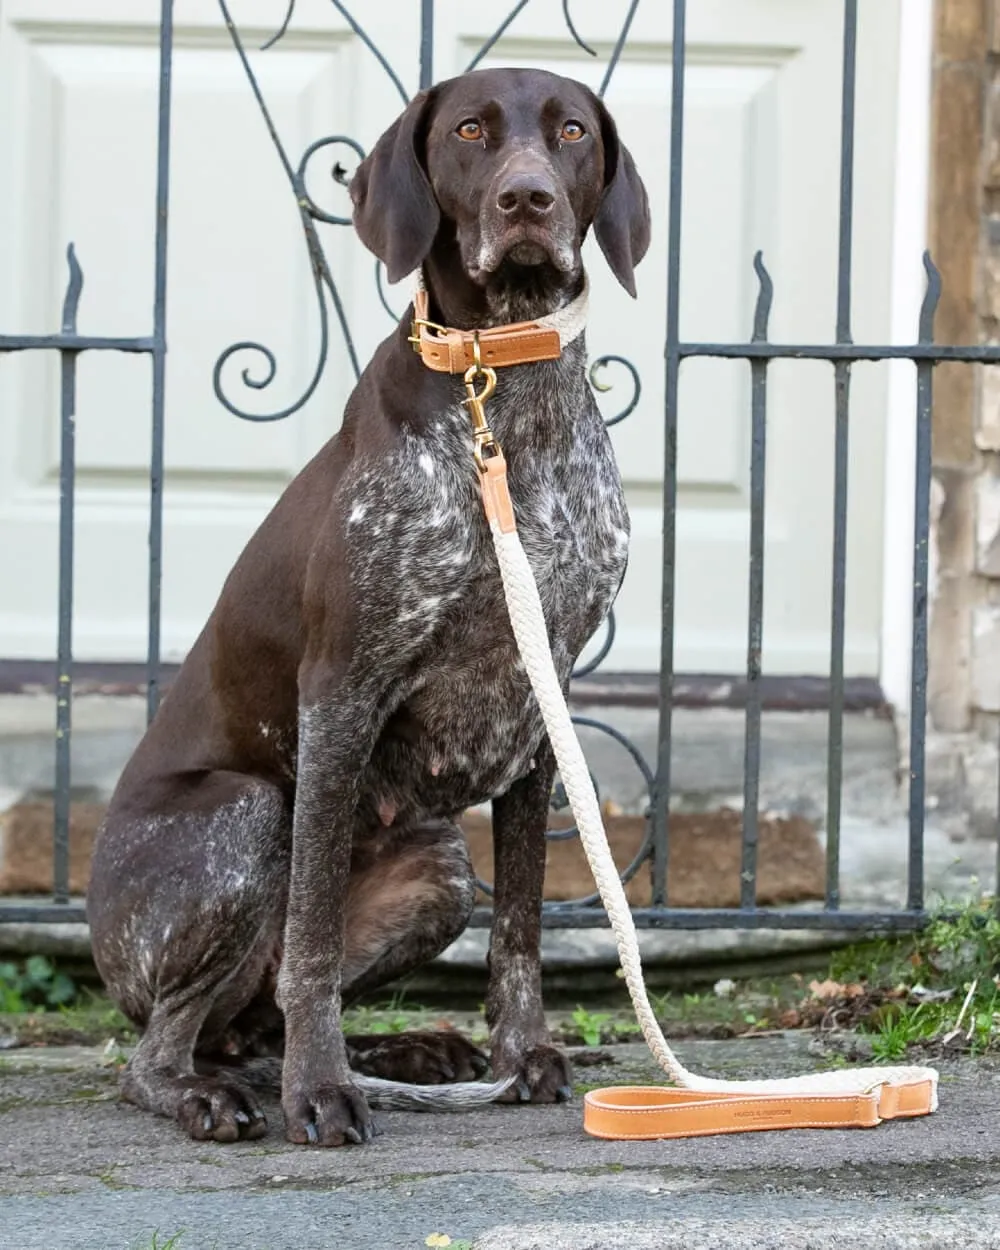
[
  {"x": 207, "y": 1124},
  {"x": 524, "y": 1091},
  {"x": 448, "y": 1072},
  {"x": 242, "y": 1117},
  {"x": 258, "y": 1114},
  {"x": 564, "y": 1093},
  {"x": 353, "y": 1135},
  {"x": 311, "y": 1135}
]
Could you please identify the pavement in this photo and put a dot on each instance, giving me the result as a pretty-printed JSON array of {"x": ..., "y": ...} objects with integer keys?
[{"x": 81, "y": 1171}]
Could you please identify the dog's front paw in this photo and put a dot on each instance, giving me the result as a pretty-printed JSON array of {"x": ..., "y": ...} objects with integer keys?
[
  {"x": 220, "y": 1109},
  {"x": 544, "y": 1074},
  {"x": 327, "y": 1115}
]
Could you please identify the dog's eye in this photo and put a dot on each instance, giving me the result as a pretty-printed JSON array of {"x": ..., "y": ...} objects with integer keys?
[
  {"x": 470, "y": 129},
  {"x": 572, "y": 131}
]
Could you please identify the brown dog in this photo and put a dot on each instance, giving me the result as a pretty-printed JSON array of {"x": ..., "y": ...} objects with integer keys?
[{"x": 283, "y": 838}]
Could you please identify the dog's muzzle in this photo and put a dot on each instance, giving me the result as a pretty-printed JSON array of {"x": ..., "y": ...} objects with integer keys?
[{"x": 527, "y": 219}]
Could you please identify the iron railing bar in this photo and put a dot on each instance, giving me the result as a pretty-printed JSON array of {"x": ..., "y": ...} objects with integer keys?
[
  {"x": 72, "y": 343},
  {"x": 755, "y": 613},
  {"x": 265, "y": 112},
  {"x": 317, "y": 259},
  {"x": 964, "y": 354},
  {"x": 282, "y": 30},
  {"x": 661, "y": 795},
  {"x": 426, "y": 43},
  {"x": 323, "y": 273},
  {"x": 996, "y": 885},
  {"x": 617, "y": 50},
  {"x": 574, "y": 32},
  {"x": 594, "y": 917},
  {"x": 64, "y": 645},
  {"x": 159, "y": 361},
  {"x": 372, "y": 47},
  {"x": 497, "y": 35},
  {"x": 921, "y": 535},
  {"x": 951, "y": 353},
  {"x": 609, "y": 641},
  {"x": 558, "y": 916},
  {"x": 842, "y": 405},
  {"x": 838, "y": 592},
  {"x": 845, "y": 240},
  {"x": 46, "y": 912}
]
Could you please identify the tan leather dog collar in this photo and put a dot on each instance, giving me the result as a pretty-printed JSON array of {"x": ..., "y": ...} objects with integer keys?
[
  {"x": 650, "y": 1113},
  {"x": 454, "y": 351}
]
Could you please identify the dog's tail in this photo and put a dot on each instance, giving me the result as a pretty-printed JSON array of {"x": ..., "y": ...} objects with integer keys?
[{"x": 399, "y": 1096}]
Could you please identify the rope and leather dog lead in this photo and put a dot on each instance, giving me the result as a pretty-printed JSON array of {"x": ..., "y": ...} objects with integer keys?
[{"x": 698, "y": 1105}]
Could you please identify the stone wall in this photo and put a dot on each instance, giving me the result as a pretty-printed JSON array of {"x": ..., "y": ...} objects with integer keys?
[
  {"x": 964, "y": 239},
  {"x": 964, "y": 236},
  {"x": 985, "y": 674}
]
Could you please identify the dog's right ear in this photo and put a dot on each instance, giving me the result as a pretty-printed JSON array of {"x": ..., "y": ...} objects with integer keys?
[
  {"x": 622, "y": 225},
  {"x": 395, "y": 212}
]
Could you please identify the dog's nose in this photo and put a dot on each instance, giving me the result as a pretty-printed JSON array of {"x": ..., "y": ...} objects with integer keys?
[{"x": 531, "y": 194}]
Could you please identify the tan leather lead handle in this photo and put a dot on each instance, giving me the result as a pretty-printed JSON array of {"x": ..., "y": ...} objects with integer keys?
[{"x": 649, "y": 1113}]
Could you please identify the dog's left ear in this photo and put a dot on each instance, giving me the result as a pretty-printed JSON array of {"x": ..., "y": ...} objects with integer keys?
[
  {"x": 621, "y": 224},
  {"x": 395, "y": 212}
]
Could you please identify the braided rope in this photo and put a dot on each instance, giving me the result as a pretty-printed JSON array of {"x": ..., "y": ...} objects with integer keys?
[{"x": 528, "y": 622}]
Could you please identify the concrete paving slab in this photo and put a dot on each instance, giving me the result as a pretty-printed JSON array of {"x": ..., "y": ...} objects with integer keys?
[
  {"x": 80, "y": 1170},
  {"x": 907, "y": 1232}
]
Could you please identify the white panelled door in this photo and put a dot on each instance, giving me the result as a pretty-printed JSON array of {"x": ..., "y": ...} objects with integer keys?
[{"x": 78, "y": 88}]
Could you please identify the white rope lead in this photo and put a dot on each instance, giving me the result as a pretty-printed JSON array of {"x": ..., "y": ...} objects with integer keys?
[{"x": 528, "y": 623}]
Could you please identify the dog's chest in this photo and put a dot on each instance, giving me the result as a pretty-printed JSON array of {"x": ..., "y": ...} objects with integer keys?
[{"x": 470, "y": 724}]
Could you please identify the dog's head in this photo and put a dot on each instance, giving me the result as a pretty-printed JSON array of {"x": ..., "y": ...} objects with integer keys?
[{"x": 506, "y": 170}]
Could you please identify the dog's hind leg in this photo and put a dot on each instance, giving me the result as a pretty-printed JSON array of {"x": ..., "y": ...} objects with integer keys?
[
  {"x": 411, "y": 894},
  {"x": 186, "y": 909}
]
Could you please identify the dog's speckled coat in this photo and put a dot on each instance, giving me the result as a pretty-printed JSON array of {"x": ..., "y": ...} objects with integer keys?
[{"x": 284, "y": 835}]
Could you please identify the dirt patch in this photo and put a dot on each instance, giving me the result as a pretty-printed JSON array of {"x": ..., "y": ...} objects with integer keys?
[
  {"x": 704, "y": 865},
  {"x": 26, "y": 846},
  {"x": 844, "y": 1008}
]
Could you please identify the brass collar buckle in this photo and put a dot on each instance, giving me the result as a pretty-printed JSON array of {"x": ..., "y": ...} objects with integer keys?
[{"x": 416, "y": 323}]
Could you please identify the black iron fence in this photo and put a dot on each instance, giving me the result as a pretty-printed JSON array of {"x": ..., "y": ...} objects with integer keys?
[{"x": 653, "y": 853}]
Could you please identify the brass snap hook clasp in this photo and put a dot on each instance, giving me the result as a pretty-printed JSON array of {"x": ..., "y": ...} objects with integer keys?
[
  {"x": 473, "y": 401},
  {"x": 485, "y": 444}
]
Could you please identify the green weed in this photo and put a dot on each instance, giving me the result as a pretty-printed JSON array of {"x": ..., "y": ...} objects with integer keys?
[
  {"x": 368, "y": 1020},
  {"x": 948, "y": 981},
  {"x": 590, "y": 1025},
  {"x": 391, "y": 1017},
  {"x": 158, "y": 1243},
  {"x": 594, "y": 1027},
  {"x": 34, "y": 985}
]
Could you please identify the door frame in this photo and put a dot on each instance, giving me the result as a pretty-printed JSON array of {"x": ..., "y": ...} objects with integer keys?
[{"x": 909, "y": 235}]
